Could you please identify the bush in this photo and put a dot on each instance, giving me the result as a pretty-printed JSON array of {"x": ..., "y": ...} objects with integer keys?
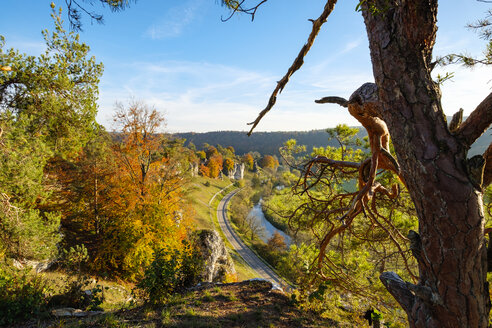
[
  {"x": 22, "y": 295},
  {"x": 172, "y": 270},
  {"x": 76, "y": 293},
  {"x": 28, "y": 233},
  {"x": 77, "y": 296},
  {"x": 74, "y": 257},
  {"x": 239, "y": 184}
]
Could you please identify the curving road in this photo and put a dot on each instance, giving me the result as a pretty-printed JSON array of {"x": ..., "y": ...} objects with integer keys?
[{"x": 251, "y": 258}]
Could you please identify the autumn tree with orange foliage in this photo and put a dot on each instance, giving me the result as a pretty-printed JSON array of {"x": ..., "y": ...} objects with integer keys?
[
  {"x": 215, "y": 166},
  {"x": 148, "y": 211},
  {"x": 269, "y": 162},
  {"x": 248, "y": 160},
  {"x": 228, "y": 164},
  {"x": 204, "y": 170}
]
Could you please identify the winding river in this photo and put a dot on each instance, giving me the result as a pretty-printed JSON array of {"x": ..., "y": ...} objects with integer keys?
[{"x": 268, "y": 228}]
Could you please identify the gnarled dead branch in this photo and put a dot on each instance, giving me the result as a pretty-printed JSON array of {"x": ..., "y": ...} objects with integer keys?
[
  {"x": 298, "y": 62},
  {"x": 334, "y": 211}
]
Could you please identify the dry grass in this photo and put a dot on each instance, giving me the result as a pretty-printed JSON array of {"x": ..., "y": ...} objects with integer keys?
[{"x": 247, "y": 304}]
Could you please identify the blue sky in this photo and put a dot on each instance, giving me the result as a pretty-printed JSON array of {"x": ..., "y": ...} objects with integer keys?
[{"x": 206, "y": 75}]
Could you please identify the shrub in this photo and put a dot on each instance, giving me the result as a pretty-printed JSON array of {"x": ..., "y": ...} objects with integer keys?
[
  {"x": 76, "y": 293},
  {"x": 74, "y": 257},
  {"x": 22, "y": 295},
  {"x": 172, "y": 270},
  {"x": 239, "y": 184},
  {"x": 28, "y": 233}
]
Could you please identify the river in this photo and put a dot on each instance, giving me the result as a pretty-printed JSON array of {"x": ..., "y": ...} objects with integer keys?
[{"x": 268, "y": 228}]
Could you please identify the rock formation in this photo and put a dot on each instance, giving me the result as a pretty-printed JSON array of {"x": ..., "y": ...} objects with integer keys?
[
  {"x": 237, "y": 172},
  {"x": 218, "y": 262},
  {"x": 194, "y": 169},
  {"x": 239, "y": 168}
]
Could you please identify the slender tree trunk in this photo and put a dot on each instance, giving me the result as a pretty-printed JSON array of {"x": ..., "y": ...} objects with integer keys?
[{"x": 451, "y": 251}]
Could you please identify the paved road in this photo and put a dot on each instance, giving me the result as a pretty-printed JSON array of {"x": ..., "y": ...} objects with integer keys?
[{"x": 251, "y": 258}]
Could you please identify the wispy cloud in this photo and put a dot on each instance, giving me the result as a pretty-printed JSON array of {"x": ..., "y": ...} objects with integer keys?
[
  {"x": 175, "y": 21},
  {"x": 195, "y": 95},
  {"x": 203, "y": 96},
  {"x": 333, "y": 57},
  {"x": 200, "y": 96}
]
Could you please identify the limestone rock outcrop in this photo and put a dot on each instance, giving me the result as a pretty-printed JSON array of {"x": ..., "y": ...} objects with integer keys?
[
  {"x": 217, "y": 260},
  {"x": 194, "y": 169},
  {"x": 38, "y": 266},
  {"x": 237, "y": 172}
]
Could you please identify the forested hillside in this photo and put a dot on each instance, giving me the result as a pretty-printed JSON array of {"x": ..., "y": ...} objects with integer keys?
[
  {"x": 270, "y": 142},
  {"x": 262, "y": 142}
]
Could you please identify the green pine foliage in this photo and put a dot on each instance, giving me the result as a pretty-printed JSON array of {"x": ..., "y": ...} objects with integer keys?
[
  {"x": 28, "y": 233},
  {"x": 353, "y": 259},
  {"x": 47, "y": 111},
  {"x": 52, "y": 96}
]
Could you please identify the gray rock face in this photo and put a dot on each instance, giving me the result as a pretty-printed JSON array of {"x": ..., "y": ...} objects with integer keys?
[
  {"x": 39, "y": 266},
  {"x": 218, "y": 262},
  {"x": 239, "y": 168},
  {"x": 231, "y": 173},
  {"x": 237, "y": 172},
  {"x": 194, "y": 169}
]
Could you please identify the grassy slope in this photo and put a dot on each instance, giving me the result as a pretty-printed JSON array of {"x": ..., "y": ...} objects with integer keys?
[
  {"x": 247, "y": 304},
  {"x": 206, "y": 216},
  {"x": 116, "y": 294},
  {"x": 199, "y": 195}
]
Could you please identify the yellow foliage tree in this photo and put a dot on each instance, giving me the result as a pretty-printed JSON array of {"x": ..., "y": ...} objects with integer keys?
[{"x": 148, "y": 210}]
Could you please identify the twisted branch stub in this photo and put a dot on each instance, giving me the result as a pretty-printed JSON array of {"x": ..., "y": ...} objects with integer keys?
[{"x": 364, "y": 105}]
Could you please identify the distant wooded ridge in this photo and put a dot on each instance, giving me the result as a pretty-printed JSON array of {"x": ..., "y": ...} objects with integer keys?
[
  {"x": 270, "y": 142},
  {"x": 262, "y": 142}
]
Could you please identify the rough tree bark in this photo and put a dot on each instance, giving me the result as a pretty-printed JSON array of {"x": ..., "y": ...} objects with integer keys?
[{"x": 452, "y": 290}]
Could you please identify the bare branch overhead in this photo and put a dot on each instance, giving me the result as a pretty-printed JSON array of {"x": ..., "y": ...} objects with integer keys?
[
  {"x": 298, "y": 62},
  {"x": 238, "y": 7}
]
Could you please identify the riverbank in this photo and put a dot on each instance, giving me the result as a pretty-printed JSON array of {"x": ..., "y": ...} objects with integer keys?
[{"x": 269, "y": 228}]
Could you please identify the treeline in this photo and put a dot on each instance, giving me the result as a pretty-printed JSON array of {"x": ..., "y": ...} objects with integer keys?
[
  {"x": 261, "y": 142},
  {"x": 270, "y": 142}
]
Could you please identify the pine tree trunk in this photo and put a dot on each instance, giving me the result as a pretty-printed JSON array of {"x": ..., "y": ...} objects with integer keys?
[{"x": 451, "y": 254}]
